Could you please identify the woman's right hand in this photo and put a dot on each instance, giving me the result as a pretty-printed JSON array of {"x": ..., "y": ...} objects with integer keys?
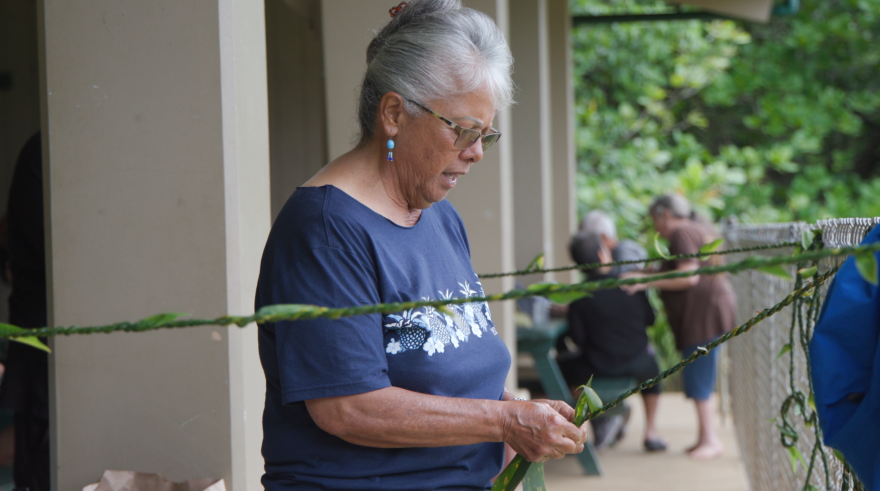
[{"x": 539, "y": 431}]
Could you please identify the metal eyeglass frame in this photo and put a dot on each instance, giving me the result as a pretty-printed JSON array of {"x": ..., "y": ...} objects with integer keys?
[{"x": 464, "y": 142}]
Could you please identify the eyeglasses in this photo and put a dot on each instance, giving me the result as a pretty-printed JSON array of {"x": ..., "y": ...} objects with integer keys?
[{"x": 466, "y": 136}]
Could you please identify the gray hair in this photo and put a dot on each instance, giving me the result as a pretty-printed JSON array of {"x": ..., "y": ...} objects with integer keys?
[
  {"x": 434, "y": 50},
  {"x": 677, "y": 205},
  {"x": 598, "y": 222}
]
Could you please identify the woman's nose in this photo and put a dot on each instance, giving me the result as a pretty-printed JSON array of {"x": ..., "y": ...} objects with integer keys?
[{"x": 474, "y": 153}]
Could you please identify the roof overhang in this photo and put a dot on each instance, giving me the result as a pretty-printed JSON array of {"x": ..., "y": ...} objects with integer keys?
[{"x": 753, "y": 10}]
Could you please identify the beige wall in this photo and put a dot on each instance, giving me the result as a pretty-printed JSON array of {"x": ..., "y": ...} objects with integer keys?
[
  {"x": 20, "y": 105},
  {"x": 483, "y": 197},
  {"x": 297, "y": 125},
  {"x": 532, "y": 169},
  {"x": 157, "y": 179}
]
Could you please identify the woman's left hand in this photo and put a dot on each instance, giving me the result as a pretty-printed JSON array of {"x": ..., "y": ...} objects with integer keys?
[{"x": 638, "y": 287}]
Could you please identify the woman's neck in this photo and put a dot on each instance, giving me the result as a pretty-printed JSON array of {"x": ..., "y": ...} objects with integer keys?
[{"x": 368, "y": 179}]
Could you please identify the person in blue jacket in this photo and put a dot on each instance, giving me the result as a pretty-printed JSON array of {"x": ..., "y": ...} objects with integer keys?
[{"x": 845, "y": 363}]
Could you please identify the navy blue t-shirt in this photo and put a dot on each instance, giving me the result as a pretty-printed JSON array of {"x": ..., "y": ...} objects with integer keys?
[{"x": 328, "y": 249}]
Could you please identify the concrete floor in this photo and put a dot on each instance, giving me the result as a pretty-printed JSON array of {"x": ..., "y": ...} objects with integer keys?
[{"x": 628, "y": 468}]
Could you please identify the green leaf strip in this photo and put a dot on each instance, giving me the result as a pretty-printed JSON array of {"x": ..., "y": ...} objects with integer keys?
[
  {"x": 275, "y": 313},
  {"x": 590, "y": 266}
]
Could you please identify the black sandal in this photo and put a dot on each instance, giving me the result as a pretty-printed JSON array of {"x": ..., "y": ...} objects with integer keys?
[{"x": 656, "y": 445}]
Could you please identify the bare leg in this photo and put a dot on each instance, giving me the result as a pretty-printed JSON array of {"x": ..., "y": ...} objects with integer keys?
[
  {"x": 709, "y": 446},
  {"x": 651, "y": 403}
]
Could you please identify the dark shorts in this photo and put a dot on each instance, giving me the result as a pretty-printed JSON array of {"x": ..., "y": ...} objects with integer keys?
[
  {"x": 641, "y": 368},
  {"x": 699, "y": 376}
]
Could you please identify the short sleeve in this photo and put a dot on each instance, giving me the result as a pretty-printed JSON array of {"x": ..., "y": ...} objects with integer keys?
[{"x": 329, "y": 357}]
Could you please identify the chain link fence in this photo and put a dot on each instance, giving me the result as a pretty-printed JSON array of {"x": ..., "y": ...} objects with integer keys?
[{"x": 759, "y": 380}]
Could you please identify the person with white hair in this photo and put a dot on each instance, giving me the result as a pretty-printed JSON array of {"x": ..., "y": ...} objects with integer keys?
[
  {"x": 414, "y": 399},
  {"x": 599, "y": 223}
]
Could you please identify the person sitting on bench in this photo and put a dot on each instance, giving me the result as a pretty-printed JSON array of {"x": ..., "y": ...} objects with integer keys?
[{"x": 608, "y": 328}]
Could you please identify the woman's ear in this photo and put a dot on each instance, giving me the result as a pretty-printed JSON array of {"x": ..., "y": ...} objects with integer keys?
[{"x": 390, "y": 113}]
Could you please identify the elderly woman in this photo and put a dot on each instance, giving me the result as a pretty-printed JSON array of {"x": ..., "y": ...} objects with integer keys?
[
  {"x": 699, "y": 308},
  {"x": 414, "y": 399}
]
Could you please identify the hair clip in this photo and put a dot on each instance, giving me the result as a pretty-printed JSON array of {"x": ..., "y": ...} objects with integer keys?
[{"x": 396, "y": 10}]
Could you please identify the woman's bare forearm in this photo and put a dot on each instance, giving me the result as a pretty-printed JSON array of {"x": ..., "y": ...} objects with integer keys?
[
  {"x": 676, "y": 284},
  {"x": 395, "y": 417}
]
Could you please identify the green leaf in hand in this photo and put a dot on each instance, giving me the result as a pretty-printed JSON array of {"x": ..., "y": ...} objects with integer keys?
[
  {"x": 588, "y": 403},
  {"x": 534, "y": 478},
  {"x": 866, "y": 263},
  {"x": 512, "y": 475},
  {"x": 32, "y": 341}
]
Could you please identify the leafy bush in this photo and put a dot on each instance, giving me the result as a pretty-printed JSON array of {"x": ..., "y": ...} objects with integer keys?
[{"x": 770, "y": 123}]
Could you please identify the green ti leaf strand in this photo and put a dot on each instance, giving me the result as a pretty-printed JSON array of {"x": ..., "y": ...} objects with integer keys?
[
  {"x": 589, "y": 266},
  {"x": 275, "y": 313}
]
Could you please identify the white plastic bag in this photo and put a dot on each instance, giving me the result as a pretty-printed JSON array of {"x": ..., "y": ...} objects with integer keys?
[{"x": 139, "y": 481}]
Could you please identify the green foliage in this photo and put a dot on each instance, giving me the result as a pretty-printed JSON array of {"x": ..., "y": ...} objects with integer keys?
[
  {"x": 771, "y": 122},
  {"x": 512, "y": 475}
]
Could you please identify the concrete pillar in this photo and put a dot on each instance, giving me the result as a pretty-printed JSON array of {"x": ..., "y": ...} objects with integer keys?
[
  {"x": 483, "y": 197},
  {"x": 562, "y": 144},
  {"x": 157, "y": 179},
  {"x": 532, "y": 169}
]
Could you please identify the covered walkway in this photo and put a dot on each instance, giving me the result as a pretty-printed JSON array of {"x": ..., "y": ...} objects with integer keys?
[{"x": 628, "y": 468}]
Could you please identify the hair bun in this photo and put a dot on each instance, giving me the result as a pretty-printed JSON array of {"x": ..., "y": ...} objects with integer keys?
[{"x": 404, "y": 13}]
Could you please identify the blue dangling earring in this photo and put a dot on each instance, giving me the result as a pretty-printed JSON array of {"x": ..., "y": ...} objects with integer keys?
[{"x": 390, "y": 146}]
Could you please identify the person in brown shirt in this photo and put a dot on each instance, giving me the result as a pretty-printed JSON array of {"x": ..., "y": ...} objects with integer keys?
[{"x": 700, "y": 308}]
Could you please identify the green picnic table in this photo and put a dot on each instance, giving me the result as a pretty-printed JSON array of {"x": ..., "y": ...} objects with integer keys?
[{"x": 540, "y": 341}]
